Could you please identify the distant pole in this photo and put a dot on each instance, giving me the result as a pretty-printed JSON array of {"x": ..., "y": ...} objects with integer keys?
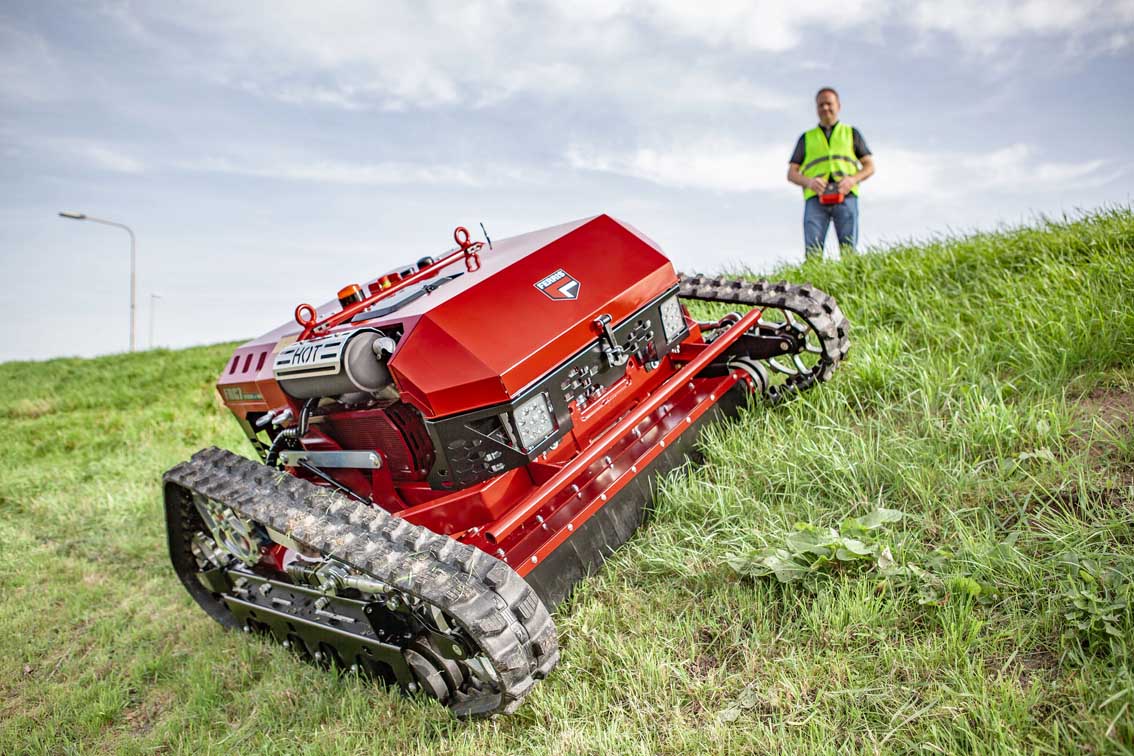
[
  {"x": 153, "y": 298},
  {"x": 133, "y": 275}
]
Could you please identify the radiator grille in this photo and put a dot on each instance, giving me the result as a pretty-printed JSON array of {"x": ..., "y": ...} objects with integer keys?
[{"x": 397, "y": 431}]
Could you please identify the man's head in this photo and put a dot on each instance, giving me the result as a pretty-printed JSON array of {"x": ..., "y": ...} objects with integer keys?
[{"x": 827, "y": 106}]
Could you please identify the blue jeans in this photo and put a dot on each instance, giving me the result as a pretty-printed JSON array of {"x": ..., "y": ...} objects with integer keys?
[{"x": 817, "y": 219}]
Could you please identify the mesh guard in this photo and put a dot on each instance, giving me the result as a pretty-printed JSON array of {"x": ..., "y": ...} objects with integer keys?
[{"x": 397, "y": 431}]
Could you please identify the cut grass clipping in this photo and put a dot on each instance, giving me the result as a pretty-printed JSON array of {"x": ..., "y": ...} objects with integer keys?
[{"x": 988, "y": 398}]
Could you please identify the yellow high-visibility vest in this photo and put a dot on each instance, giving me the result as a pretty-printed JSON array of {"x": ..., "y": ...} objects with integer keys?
[{"x": 829, "y": 159}]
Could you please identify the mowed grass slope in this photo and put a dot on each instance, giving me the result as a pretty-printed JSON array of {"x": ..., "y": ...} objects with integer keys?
[{"x": 989, "y": 397}]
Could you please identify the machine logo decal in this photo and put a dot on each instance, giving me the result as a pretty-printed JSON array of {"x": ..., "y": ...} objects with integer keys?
[
  {"x": 237, "y": 394},
  {"x": 559, "y": 286}
]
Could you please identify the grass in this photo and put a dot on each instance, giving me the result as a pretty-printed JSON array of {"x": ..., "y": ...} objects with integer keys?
[{"x": 989, "y": 397}]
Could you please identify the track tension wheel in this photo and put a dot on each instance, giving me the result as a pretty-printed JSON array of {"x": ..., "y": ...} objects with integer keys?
[{"x": 800, "y": 339}]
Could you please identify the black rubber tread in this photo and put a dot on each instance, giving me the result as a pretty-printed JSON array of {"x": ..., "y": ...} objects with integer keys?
[
  {"x": 819, "y": 309},
  {"x": 181, "y": 522},
  {"x": 495, "y": 607}
]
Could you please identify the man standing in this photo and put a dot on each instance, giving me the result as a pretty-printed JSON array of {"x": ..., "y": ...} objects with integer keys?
[{"x": 829, "y": 162}]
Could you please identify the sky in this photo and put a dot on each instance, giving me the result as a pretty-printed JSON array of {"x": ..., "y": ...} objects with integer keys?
[{"x": 268, "y": 153}]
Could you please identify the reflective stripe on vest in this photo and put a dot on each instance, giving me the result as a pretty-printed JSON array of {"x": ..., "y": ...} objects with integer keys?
[{"x": 830, "y": 160}]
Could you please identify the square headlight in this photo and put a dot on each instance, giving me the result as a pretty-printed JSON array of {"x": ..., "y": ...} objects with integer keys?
[
  {"x": 672, "y": 320},
  {"x": 534, "y": 421}
]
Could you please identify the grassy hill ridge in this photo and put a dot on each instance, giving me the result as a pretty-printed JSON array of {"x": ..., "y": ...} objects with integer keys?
[{"x": 989, "y": 398}]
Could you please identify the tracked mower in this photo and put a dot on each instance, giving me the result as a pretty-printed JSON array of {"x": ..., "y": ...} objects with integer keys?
[{"x": 446, "y": 450}]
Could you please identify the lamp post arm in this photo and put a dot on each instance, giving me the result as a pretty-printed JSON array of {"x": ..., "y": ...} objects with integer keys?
[{"x": 93, "y": 219}]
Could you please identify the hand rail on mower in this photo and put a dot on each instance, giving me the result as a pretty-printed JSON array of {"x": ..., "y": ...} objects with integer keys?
[
  {"x": 540, "y": 497},
  {"x": 468, "y": 250}
]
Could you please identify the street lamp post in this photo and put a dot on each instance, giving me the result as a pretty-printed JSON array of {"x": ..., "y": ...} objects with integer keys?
[
  {"x": 133, "y": 276},
  {"x": 153, "y": 300}
]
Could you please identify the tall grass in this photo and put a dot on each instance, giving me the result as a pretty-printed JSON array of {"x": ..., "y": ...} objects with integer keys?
[{"x": 989, "y": 396}]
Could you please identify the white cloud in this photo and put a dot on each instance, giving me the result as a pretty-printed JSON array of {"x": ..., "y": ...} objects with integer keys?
[
  {"x": 762, "y": 25},
  {"x": 393, "y": 173},
  {"x": 336, "y": 172},
  {"x": 399, "y": 54},
  {"x": 101, "y": 156},
  {"x": 558, "y": 76},
  {"x": 29, "y": 70},
  {"x": 968, "y": 18},
  {"x": 108, "y": 158},
  {"x": 659, "y": 55},
  {"x": 701, "y": 89},
  {"x": 104, "y": 156},
  {"x": 1014, "y": 169},
  {"x": 726, "y": 166},
  {"x": 716, "y": 165},
  {"x": 983, "y": 25}
]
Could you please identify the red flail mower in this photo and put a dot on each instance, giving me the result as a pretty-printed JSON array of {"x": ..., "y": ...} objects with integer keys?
[{"x": 448, "y": 449}]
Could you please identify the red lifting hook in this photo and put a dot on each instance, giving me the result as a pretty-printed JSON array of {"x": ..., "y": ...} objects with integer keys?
[
  {"x": 305, "y": 315},
  {"x": 464, "y": 240}
]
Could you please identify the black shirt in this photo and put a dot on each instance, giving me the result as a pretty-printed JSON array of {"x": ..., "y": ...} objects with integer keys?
[{"x": 860, "y": 148}]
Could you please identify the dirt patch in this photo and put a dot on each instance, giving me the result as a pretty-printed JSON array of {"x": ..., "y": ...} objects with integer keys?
[
  {"x": 1112, "y": 405},
  {"x": 30, "y": 409},
  {"x": 703, "y": 666},
  {"x": 1103, "y": 415},
  {"x": 706, "y": 660},
  {"x": 141, "y": 717},
  {"x": 1102, "y": 434},
  {"x": 1079, "y": 504},
  {"x": 1026, "y": 667}
]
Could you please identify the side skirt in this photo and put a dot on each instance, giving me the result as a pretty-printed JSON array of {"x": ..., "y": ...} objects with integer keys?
[{"x": 611, "y": 526}]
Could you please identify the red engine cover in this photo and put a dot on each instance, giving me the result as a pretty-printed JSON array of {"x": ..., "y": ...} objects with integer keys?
[{"x": 480, "y": 339}]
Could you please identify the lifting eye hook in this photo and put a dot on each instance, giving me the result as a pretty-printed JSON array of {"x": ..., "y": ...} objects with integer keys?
[
  {"x": 305, "y": 315},
  {"x": 464, "y": 240}
]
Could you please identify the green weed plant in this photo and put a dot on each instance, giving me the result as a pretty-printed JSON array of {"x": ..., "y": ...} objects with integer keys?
[{"x": 809, "y": 548}]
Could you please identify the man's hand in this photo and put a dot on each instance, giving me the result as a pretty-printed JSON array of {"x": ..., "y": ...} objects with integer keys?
[
  {"x": 846, "y": 183},
  {"x": 817, "y": 185}
]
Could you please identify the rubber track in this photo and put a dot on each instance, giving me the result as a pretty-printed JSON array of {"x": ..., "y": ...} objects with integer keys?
[
  {"x": 495, "y": 607},
  {"x": 816, "y": 306}
]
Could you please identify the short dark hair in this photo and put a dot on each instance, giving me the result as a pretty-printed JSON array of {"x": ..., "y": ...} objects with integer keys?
[{"x": 827, "y": 89}]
